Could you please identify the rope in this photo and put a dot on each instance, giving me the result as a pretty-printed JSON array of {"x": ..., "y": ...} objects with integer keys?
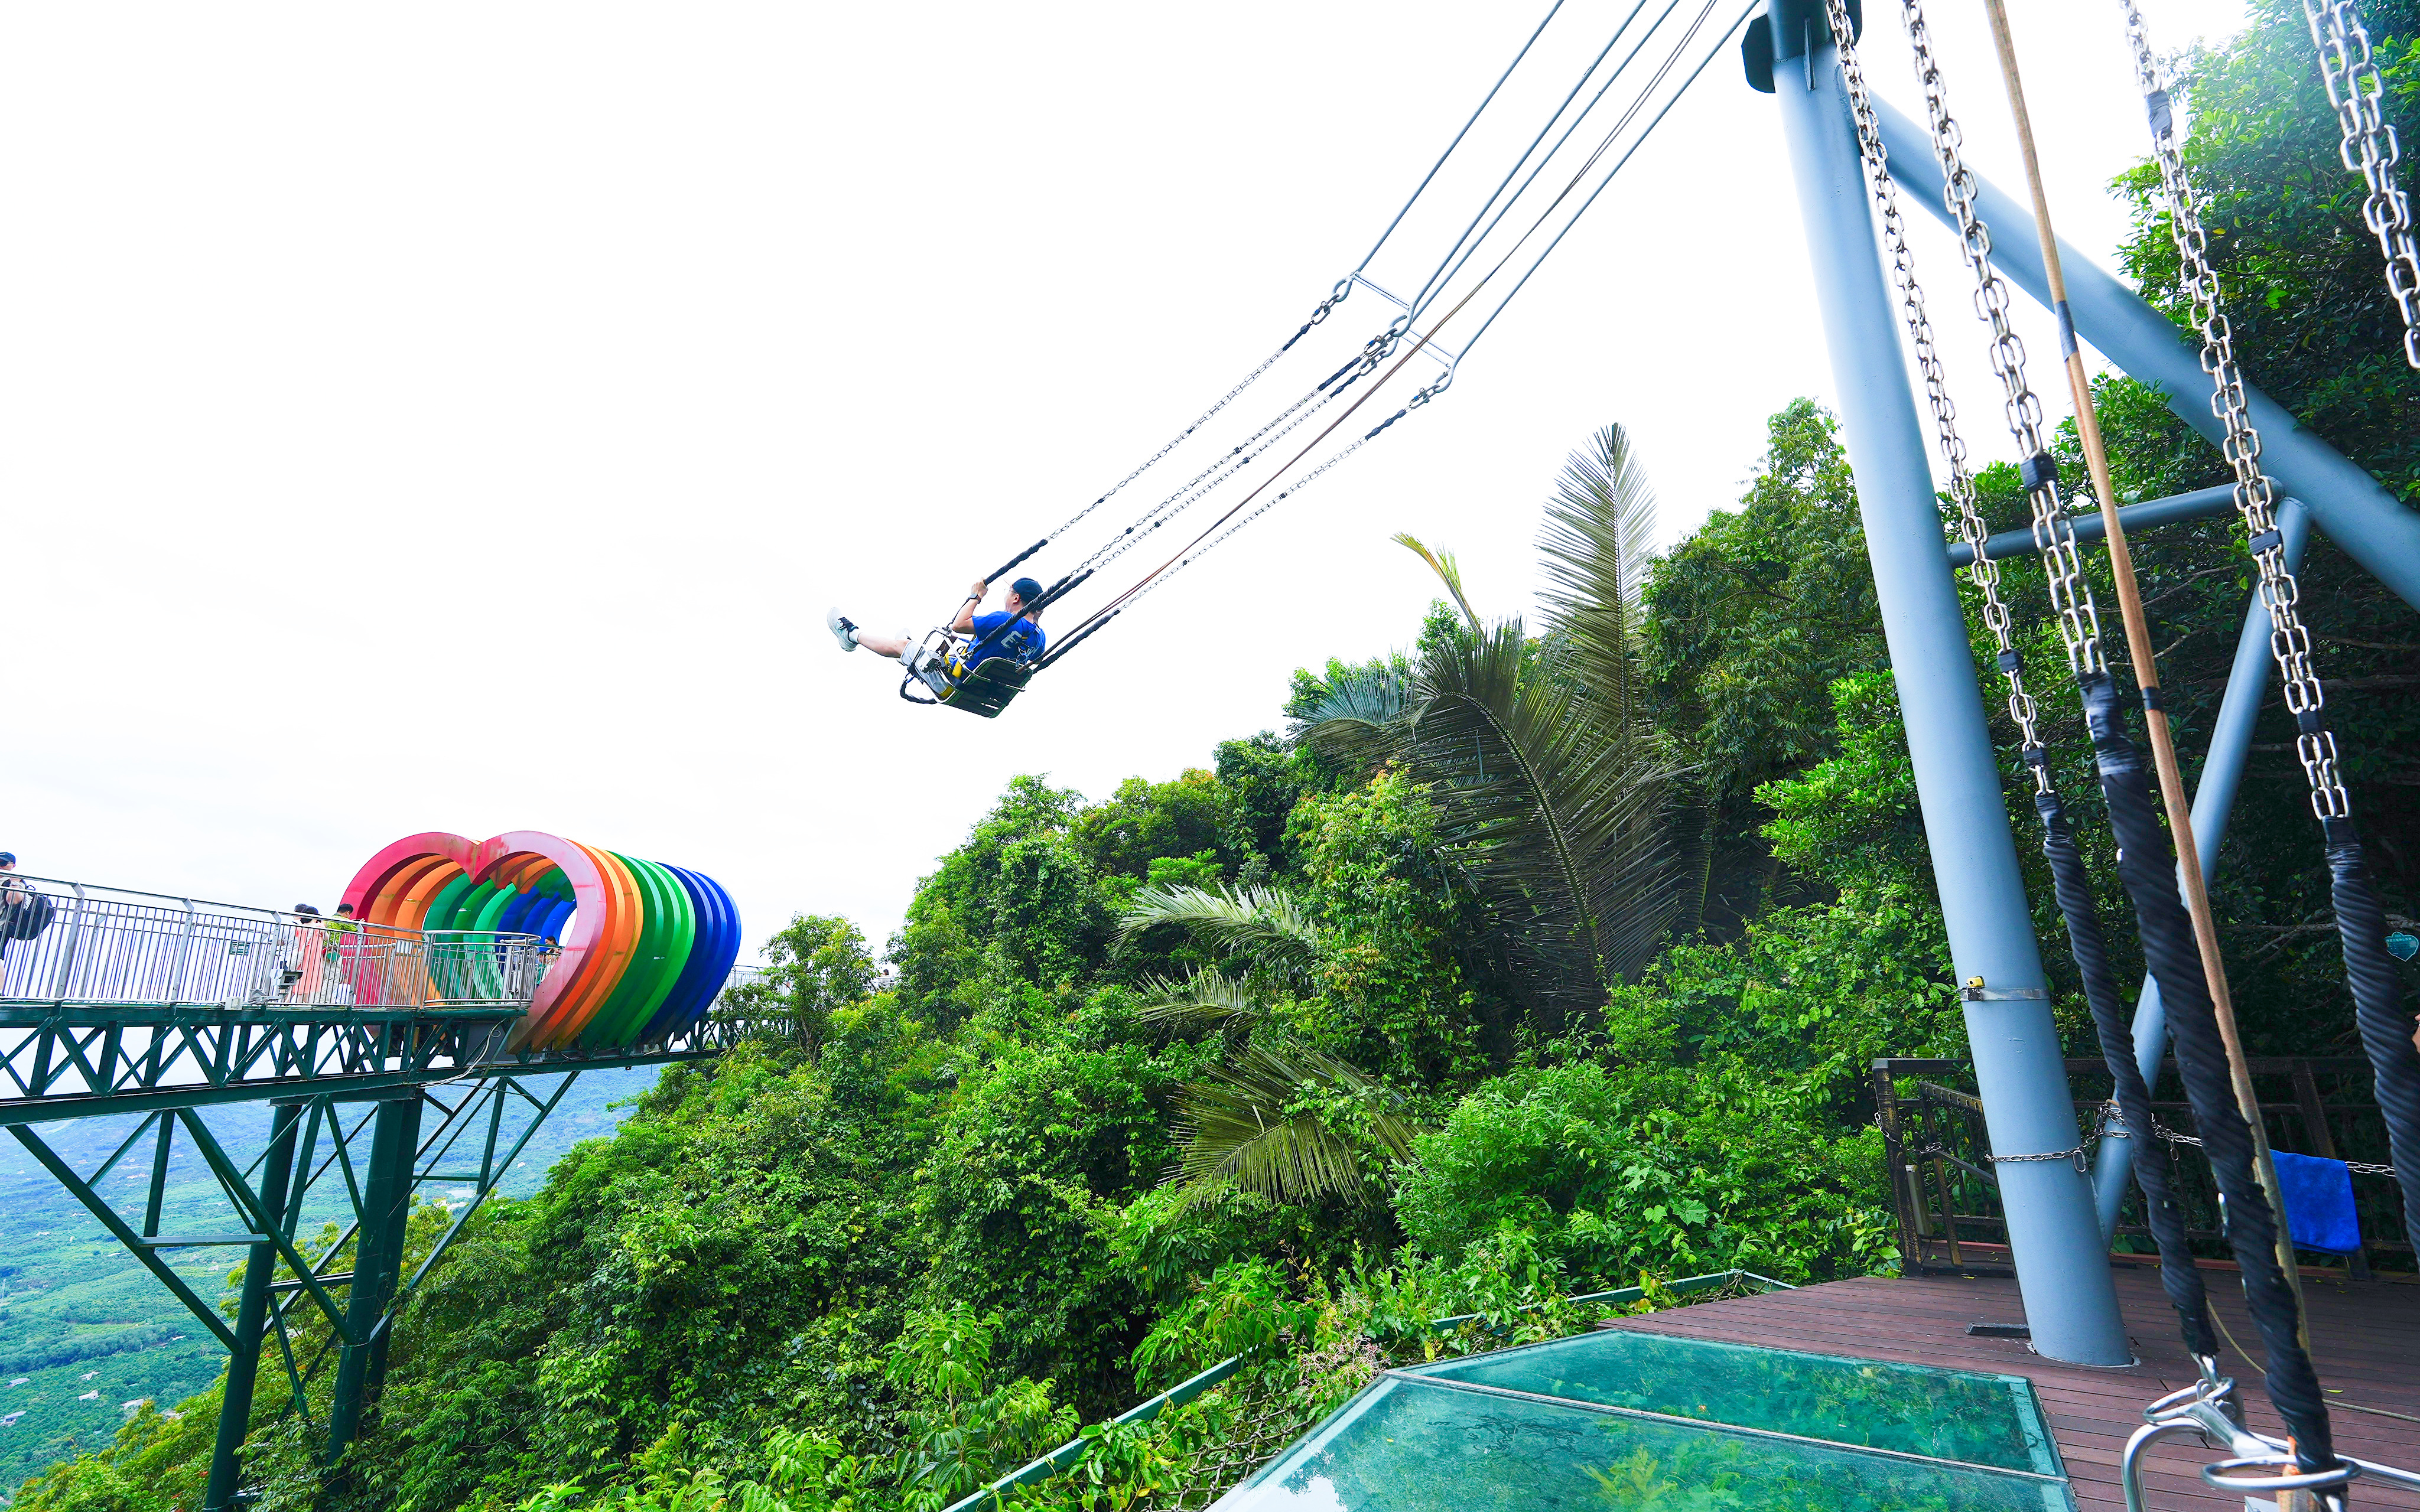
[
  {"x": 2349, "y": 1407},
  {"x": 2378, "y": 1008},
  {"x": 2178, "y": 1276},
  {"x": 2252, "y": 1228},
  {"x": 2069, "y": 880}
]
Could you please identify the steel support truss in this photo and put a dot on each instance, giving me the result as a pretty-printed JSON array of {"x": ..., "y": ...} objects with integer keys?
[{"x": 374, "y": 1105}]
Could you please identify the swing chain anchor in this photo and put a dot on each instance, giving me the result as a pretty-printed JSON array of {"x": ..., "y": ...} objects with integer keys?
[{"x": 2208, "y": 1408}]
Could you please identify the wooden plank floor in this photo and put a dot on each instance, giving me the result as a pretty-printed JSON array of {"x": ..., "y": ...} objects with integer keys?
[{"x": 2364, "y": 1336}]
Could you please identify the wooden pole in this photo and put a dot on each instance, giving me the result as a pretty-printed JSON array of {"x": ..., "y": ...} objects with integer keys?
[{"x": 2139, "y": 650}]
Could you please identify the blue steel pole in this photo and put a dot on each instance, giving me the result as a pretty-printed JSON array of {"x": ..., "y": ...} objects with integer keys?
[
  {"x": 2345, "y": 500},
  {"x": 2062, "y": 1267},
  {"x": 2222, "y": 772}
]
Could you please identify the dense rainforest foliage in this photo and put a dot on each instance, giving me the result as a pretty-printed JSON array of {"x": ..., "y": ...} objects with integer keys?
[{"x": 1546, "y": 954}]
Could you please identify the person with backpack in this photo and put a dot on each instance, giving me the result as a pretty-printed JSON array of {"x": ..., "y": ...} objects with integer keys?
[{"x": 23, "y": 913}]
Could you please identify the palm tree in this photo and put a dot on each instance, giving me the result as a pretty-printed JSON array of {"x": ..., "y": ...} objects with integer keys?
[
  {"x": 1276, "y": 1118},
  {"x": 1555, "y": 791}
]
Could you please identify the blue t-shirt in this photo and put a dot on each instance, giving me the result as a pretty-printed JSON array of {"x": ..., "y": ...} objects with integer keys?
[{"x": 1024, "y": 642}]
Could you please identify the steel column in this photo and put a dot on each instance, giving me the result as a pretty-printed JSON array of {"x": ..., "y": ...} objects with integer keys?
[
  {"x": 252, "y": 1313},
  {"x": 377, "y": 1255},
  {"x": 2357, "y": 513},
  {"x": 2062, "y": 1270},
  {"x": 2222, "y": 772}
]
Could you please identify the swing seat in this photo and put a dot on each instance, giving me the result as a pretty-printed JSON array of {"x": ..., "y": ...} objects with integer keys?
[{"x": 988, "y": 689}]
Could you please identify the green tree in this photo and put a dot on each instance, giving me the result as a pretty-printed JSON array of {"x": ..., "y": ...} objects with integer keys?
[{"x": 1552, "y": 787}]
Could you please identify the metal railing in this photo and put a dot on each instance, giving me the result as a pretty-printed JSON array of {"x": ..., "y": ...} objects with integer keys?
[
  {"x": 1947, "y": 1200},
  {"x": 74, "y": 944}
]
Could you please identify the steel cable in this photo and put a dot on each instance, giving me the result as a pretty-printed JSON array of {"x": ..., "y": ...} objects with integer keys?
[
  {"x": 1334, "y": 299},
  {"x": 1185, "y": 555}
]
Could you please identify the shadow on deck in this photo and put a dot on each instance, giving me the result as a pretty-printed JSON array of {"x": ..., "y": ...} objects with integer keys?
[{"x": 2364, "y": 1335}]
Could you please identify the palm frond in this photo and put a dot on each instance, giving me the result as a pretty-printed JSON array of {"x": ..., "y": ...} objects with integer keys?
[
  {"x": 1204, "y": 998},
  {"x": 1357, "y": 724},
  {"x": 1238, "y": 1132},
  {"x": 1263, "y": 921},
  {"x": 1553, "y": 800},
  {"x": 1596, "y": 541},
  {"x": 1448, "y": 571}
]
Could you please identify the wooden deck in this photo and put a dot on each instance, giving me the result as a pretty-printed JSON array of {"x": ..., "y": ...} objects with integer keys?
[{"x": 2364, "y": 1335}]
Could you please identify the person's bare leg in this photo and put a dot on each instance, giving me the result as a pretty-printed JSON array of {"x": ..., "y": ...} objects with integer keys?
[{"x": 850, "y": 635}]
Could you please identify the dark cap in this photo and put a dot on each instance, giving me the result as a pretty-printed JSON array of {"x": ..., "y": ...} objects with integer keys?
[
  {"x": 1026, "y": 589},
  {"x": 7, "y": 858}
]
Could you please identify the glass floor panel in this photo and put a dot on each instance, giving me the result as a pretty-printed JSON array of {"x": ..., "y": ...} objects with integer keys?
[
  {"x": 1434, "y": 1440},
  {"x": 1944, "y": 1414}
]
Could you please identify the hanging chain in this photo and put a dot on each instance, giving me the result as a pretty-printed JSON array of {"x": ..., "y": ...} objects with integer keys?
[
  {"x": 1212, "y": 544},
  {"x": 1971, "y": 525},
  {"x": 1224, "y": 400},
  {"x": 2079, "y": 620},
  {"x": 2255, "y": 497},
  {"x": 2370, "y": 150},
  {"x": 1201, "y": 484}
]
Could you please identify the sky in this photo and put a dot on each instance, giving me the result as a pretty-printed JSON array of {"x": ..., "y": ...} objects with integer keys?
[{"x": 459, "y": 418}]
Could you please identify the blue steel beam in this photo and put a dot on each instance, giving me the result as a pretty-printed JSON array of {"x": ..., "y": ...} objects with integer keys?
[
  {"x": 2356, "y": 510},
  {"x": 2062, "y": 1267},
  {"x": 2199, "y": 504}
]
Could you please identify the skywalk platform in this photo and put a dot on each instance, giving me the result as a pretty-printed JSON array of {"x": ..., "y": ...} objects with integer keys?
[{"x": 2365, "y": 1338}]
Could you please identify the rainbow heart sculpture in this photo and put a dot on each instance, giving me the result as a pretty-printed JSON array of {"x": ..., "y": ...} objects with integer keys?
[{"x": 649, "y": 945}]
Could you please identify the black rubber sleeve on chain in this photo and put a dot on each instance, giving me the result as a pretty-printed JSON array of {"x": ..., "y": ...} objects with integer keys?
[
  {"x": 2179, "y": 1276},
  {"x": 2148, "y": 868},
  {"x": 2378, "y": 1009}
]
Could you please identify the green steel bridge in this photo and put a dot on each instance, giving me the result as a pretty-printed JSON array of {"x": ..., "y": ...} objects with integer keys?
[{"x": 381, "y": 1054}]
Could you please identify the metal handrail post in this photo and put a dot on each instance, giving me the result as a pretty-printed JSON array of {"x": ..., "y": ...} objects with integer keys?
[
  {"x": 252, "y": 1315},
  {"x": 68, "y": 952},
  {"x": 2222, "y": 773},
  {"x": 2062, "y": 1270}
]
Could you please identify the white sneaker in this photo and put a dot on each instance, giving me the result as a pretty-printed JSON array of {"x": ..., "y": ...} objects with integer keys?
[{"x": 843, "y": 630}]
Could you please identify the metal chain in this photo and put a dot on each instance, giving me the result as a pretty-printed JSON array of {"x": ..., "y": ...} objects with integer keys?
[
  {"x": 2290, "y": 641},
  {"x": 1373, "y": 351},
  {"x": 1223, "y": 401},
  {"x": 2079, "y": 620},
  {"x": 1972, "y": 527},
  {"x": 2358, "y": 1167},
  {"x": 1211, "y": 544},
  {"x": 1197, "y": 488},
  {"x": 2370, "y": 150}
]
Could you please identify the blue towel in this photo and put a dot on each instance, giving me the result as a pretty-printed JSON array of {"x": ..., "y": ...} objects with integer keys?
[{"x": 2319, "y": 1203}]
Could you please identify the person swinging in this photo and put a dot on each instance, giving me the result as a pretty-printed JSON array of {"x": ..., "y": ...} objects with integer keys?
[{"x": 954, "y": 669}]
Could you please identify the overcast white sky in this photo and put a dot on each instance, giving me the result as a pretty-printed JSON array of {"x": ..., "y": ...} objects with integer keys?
[{"x": 458, "y": 417}]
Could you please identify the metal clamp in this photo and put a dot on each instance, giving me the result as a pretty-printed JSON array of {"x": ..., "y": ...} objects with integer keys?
[{"x": 1975, "y": 992}]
